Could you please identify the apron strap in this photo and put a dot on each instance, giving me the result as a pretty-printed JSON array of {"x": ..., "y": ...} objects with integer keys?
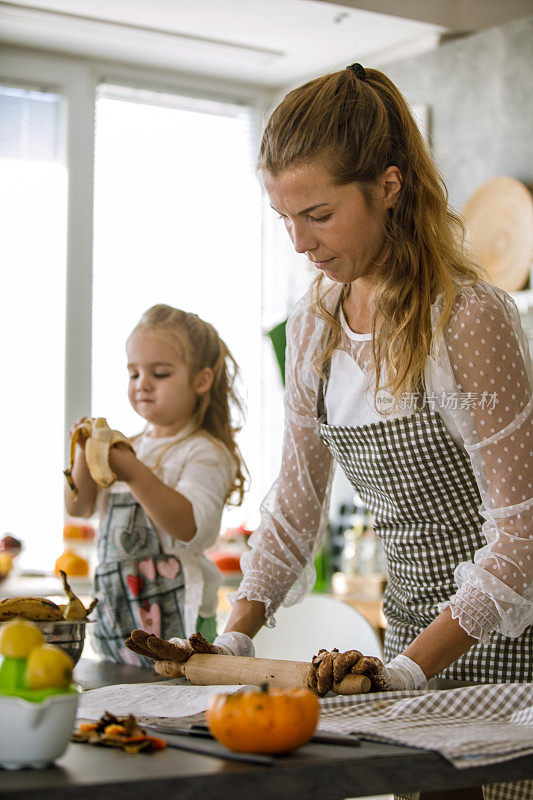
[{"x": 321, "y": 415}]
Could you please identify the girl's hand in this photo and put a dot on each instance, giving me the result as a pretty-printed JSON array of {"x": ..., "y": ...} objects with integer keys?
[
  {"x": 123, "y": 461},
  {"x": 82, "y": 438}
]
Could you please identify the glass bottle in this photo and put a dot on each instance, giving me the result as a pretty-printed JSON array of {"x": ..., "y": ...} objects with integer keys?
[{"x": 352, "y": 539}]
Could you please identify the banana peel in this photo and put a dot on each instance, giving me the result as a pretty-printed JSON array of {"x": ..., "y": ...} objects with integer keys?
[
  {"x": 74, "y": 609},
  {"x": 100, "y": 439}
]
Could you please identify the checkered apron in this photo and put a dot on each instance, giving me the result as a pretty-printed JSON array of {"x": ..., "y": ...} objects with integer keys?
[
  {"x": 420, "y": 488},
  {"x": 137, "y": 585}
]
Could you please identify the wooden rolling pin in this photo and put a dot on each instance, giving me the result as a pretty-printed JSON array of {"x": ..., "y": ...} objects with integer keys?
[{"x": 204, "y": 669}]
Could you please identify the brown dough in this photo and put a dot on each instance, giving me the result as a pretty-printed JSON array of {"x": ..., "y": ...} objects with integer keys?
[
  {"x": 166, "y": 651},
  {"x": 135, "y": 648},
  {"x": 375, "y": 670},
  {"x": 140, "y": 638},
  {"x": 343, "y": 664},
  {"x": 201, "y": 645},
  {"x": 331, "y": 667},
  {"x": 320, "y": 678}
]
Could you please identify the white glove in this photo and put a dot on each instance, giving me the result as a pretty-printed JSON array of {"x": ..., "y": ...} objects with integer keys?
[
  {"x": 235, "y": 644},
  {"x": 404, "y": 673}
]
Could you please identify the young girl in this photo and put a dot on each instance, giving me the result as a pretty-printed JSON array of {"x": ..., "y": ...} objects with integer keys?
[{"x": 165, "y": 508}]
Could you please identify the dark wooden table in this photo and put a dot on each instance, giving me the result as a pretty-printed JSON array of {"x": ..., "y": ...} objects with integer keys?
[{"x": 319, "y": 771}]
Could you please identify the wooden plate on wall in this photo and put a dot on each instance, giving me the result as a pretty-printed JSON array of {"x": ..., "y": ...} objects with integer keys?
[{"x": 499, "y": 219}]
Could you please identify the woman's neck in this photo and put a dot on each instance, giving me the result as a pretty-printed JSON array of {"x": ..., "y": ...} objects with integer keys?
[{"x": 358, "y": 308}]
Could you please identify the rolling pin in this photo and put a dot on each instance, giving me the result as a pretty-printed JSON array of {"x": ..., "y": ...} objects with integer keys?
[{"x": 204, "y": 669}]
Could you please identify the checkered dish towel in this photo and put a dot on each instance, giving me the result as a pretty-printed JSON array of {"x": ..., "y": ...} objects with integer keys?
[{"x": 470, "y": 726}]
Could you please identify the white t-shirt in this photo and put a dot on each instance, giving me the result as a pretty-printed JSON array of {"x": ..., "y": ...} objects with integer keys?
[
  {"x": 350, "y": 396},
  {"x": 202, "y": 471}
]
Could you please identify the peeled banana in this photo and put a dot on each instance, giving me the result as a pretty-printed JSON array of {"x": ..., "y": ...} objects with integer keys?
[
  {"x": 100, "y": 439},
  {"x": 37, "y": 609}
]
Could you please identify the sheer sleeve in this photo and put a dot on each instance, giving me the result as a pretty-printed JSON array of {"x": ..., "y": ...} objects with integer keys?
[
  {"x": 294, "y": 515},
  {"x": 484, "y": 354}
]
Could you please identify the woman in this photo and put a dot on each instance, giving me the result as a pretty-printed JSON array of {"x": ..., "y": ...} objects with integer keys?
[
  {"x": 447, "y": 475},
  {"x": 414, "y": 375}
]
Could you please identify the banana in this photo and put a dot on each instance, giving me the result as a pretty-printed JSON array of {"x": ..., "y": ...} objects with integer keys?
[
  {"x": 74, "y": 610},
  {"x": 100, "y": 439},
  {"x": 37, "y": 609}
]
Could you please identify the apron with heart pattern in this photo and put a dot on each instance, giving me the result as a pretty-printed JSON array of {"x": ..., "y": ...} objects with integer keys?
[{"x": 137, "y": 584}]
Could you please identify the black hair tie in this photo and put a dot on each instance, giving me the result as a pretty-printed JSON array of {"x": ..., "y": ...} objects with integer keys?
[{"x": 358, "y": 71}]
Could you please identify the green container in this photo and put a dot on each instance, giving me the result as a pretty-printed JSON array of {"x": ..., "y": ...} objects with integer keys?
[
  {"x": 323, "y": 569},
  {"x": 278, "y": 337}
]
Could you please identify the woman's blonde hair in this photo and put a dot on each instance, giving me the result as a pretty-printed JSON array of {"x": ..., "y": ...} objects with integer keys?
[
  {"x": 199, "y": 346},
  {"x": 360, "y": 125}
]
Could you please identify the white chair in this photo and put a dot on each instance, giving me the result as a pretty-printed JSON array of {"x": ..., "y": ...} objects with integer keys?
[{"x": 317, "y": 622}]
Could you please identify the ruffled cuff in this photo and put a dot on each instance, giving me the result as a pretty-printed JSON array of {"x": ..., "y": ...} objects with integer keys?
[
  {"x": 258, "y": 586},
  {"x": 484, "y": 603},
  {"x": 474, "y": 611}
]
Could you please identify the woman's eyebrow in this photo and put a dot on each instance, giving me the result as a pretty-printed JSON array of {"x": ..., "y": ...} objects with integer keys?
[{"x": 305, "y": 210}]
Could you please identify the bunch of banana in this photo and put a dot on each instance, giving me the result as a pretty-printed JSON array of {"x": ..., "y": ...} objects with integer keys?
[
  {"x": 39, "y": 609},
  {"x": 100, "y": 439}
]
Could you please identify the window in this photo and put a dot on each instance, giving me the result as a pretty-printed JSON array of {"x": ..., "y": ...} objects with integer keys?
[
  {"x": 177, "y": 221},
  {"x": 33, "y": 210},
  {"x": 174, "y": 216}
]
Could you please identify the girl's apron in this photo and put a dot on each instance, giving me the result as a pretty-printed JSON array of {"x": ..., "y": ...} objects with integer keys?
[{"x": 137, "y": 585}]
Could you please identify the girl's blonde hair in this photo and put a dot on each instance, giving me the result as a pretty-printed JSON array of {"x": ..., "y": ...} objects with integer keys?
[
  {"x": 199, "y": 346},
  {"x": 360, "y": 125}
]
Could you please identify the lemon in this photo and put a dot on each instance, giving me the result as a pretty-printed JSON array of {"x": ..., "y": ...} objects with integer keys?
[
  {"x": 18, "y": 637},
  {"x": 49, "y": 667}
]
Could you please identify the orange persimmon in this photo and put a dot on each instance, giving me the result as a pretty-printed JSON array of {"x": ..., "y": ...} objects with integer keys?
[
  {"x": 73, "y": 565},
  {"x": 263, "y": 721}
]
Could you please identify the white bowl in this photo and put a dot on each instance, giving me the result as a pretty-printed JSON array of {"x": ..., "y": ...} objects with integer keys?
[{"x": 35, "y": 734}]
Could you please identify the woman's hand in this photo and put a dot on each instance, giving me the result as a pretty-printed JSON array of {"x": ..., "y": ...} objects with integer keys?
[
  {"x": 329, "y": 667},
  {"x": 227, "y": 644},
  {"x": 180, "y": 650}
]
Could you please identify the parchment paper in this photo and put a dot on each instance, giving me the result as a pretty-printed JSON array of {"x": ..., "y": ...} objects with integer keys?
[{"x": 165, "y": 701}]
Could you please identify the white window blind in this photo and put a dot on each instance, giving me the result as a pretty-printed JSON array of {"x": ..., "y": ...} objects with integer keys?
[
  {"x": 33, "y": 212},
  {"x": 31, "y": 126}
]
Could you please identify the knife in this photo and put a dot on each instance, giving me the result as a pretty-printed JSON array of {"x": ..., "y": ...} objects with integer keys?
[
  {"x": 212, "y": 749},
  {"x": 203, "y": 732}
]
